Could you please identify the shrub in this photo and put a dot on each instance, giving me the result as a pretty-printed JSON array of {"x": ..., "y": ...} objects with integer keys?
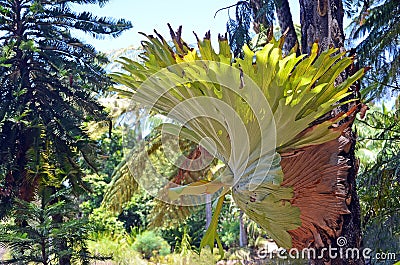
[
  {"x": 150, "y": 244},
  {"x": 106, "y": 222},
  {"x": 117, "y": 247}
]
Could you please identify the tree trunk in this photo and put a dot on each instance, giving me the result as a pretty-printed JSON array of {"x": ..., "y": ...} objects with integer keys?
[
  {"x": 286, "y": 24},
  {"x": 242, "y": 231},
  {"x": 59, "y": 243},
  {"x": 64, "y": 259},
  {"x": 322, "y": 21},
  {"x": 208, "y": 210}
]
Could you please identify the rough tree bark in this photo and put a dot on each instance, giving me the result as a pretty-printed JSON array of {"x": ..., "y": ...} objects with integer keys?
[
  {"x": 322, "y": 21},
  {"x": 286, "y": 24}
]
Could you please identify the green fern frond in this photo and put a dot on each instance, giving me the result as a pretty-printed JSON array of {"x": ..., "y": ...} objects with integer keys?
[{"x": 275, "y": 101}]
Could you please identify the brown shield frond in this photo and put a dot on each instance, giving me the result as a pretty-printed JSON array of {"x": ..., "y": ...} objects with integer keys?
[{"x": 317, "y": 175}]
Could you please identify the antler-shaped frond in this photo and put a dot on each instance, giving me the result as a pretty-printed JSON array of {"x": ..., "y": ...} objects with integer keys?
[{"x": 246, "y": 112}]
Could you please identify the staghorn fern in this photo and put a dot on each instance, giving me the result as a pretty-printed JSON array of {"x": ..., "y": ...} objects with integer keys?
[{"x": 278, "y": 104}]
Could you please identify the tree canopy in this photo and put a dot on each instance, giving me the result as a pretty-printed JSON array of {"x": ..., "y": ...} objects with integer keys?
[{"x": 49, "y": 85}]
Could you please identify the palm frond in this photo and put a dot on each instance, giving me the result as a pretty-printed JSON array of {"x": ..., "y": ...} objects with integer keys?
[{"x": 375, "y": 30}]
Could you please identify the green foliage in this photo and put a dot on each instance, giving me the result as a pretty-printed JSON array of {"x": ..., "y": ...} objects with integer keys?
[
  {"x": 306, "y": 95},
  {"x": 239, "y": 28},
  {"x": 375, "y": 33},
  {"x": 48, "y": 81},
  {"x": 299, "y": 91},
  {"x": 34, "y": 234},
  {"x": 149, "y": 244},
  {"x": 191, "y": 257},
  {"x": 48, "y": 85},
  {"x": 116, "y": 248},
  {"x": 211, "y": 236},
  {"x": 260, "y": 13},
  {"x": 135, "y": 214},
  {"x": 123, "y": 184},
  {"x": 111, "y": 155},
  {"x": 379, "y": 179},
  {"x": 124, "y": 187},
  {"x": 140, "y": 211},
  {"x": 230, "y": 232},
  {"x": 193, "y": 227},
  {"x": 229, "y": 227},
  {"x": 105, "y": 221}
]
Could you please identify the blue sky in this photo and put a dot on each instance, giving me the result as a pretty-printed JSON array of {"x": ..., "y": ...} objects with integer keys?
[{"x": 147, "y": 15}]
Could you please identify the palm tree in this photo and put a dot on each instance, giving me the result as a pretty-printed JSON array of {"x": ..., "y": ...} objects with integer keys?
[{"x": 275, "y": 176}]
